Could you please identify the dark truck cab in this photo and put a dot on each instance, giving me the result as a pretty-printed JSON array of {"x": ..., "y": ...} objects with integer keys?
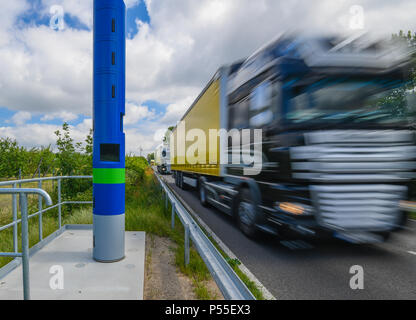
[{"x": 338, "y": 138}]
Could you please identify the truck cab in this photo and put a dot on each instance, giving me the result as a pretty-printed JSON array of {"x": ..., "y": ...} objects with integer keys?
[
  {"x": 338, "y": 137},
  {"x": 162, "y": 158}
]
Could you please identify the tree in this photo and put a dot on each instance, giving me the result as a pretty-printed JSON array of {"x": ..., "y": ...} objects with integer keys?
[
  {"x": 12, "y": 157},
  {"x": 67, "y": 156},
  {"x": 88, "y": 150},
  {"x": 150, "y": 156}
]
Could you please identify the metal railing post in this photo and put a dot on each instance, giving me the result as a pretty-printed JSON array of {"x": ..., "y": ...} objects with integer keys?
[
  {"x": 25, "y": 247},
  {"x": 20, "y": 177},
  {"x": 14, "y": 208},
  {"x": 59, "y": 204},
  {"x": 186, "y": 244},
  {"x": 40, "y": 210},
  {"x": 173, "y": 215}
]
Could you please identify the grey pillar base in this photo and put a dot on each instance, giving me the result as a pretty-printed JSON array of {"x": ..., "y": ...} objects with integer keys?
[{"x": 108, "y": 238}]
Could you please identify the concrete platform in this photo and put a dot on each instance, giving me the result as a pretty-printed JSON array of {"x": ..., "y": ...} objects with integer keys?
[{"x": 84, "y": 278}]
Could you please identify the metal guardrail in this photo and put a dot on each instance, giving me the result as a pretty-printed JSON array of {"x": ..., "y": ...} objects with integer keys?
[
  {"x": 23, "y": 192},
  {"x": 227, "y": 280}
]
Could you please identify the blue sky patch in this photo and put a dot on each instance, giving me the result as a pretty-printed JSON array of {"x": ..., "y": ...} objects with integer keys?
[
  {"x": 137, "y": 12},
  {"x": 155, "y": 105},
  {"x": 35, "y": 16},
  {"x": 5, "y": 115}
]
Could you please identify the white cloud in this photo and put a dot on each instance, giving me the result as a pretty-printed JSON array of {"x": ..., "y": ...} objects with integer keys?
[
  {"x": 46, "y": 71},
  {"x": 63, "y": 115},
  {"x": 21, "y": 117},
  {"x": 36, "y": 135},
  {"x": 8, "y": 15},
  {"x": 135, "y": 113},
  {"x": 175, "y": 111}
]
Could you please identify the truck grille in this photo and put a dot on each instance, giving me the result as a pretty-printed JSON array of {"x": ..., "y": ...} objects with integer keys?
[
  {"x": 358, "y": 207},
  {"x": 362, "y": 166},
  {"x": 355, "y": 156}
]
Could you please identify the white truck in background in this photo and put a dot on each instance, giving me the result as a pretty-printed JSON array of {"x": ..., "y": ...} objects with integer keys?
[{"x": 162, "y": 158}]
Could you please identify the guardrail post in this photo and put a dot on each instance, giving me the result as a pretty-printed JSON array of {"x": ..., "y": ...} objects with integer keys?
[
  {"x": 59, "y": 204},
  {"x": 186, "y": 244},
  {"x": 173, "y": 215},
  {"x": 25, "y": 247},
  {"x": 14, "y": 208},
  {"x": 40, "y": 210}
]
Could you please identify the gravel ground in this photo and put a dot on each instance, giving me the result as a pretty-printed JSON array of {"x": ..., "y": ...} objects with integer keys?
[{"x": 163, "y": 280}]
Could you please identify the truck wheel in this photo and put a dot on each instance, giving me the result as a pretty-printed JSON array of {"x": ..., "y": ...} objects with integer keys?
[
  {"x": 403, "y": 218},
  {"x": 202, "y": 192},
  {"x": 184, "y": 186},
  {"x": 180, "y": 181},
  {"x": 247, "y": 214},
  {"x": 177, "y": 179}
]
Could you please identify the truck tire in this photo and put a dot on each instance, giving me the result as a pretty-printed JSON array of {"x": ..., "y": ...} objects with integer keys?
[
  {"x": 177, "y": 179},
  {"x": 247, "y": 213},
  {"x": 182, "y": 185},
  {"x": 403, "y": 219},
  {"x": 202, "y": 192}
]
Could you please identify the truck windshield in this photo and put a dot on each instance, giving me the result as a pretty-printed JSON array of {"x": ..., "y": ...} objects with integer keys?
[{"x": 342, "y": 100}]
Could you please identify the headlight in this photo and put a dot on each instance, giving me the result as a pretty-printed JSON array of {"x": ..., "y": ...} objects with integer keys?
[{"x": 296, "y": 209}]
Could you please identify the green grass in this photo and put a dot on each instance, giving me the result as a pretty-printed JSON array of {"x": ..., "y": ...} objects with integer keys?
[
  {"x": 412, "y": 215},
  {"x": 234, "y": 263},
  {"x": 202, "y": 292},
  {"x": 81, "y": 216}
]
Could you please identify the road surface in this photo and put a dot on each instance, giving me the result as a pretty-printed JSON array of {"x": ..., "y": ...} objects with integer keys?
[{"x": 318, "y": 269}]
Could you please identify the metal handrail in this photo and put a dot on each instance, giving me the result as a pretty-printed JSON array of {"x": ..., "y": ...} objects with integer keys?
[
  {"x": 40, "y": 192},
  {"x": 10, "y": 182},
  {"x": 228, "y": 281},
  {"x": 23, "y": 192}
]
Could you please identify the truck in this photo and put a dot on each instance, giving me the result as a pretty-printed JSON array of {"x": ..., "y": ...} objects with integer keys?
[
  {"x": 337, "y": 149},
  {"x": 162, "y": 158}
]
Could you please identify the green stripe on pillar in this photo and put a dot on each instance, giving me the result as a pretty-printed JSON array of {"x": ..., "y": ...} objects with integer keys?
[{"x": 109, "y": 176}]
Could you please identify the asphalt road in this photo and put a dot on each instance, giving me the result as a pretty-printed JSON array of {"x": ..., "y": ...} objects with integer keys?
[{"x": 318, "y": 269}]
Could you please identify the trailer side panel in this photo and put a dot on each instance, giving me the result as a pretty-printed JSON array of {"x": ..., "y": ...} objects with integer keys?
[{"x": 205, "y": 116}]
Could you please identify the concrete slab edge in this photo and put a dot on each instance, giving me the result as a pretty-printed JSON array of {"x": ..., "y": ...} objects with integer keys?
[{"x": 5, "y": 270}]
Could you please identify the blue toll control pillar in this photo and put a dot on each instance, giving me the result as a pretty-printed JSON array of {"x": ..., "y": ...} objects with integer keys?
[{"x": 109, "y": 139}]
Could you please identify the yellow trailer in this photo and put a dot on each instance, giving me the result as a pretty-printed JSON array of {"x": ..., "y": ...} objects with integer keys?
[{"x": 207, "y": 113}]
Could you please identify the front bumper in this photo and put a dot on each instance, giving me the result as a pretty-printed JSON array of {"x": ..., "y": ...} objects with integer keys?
[{"x": 373, "y": 207}]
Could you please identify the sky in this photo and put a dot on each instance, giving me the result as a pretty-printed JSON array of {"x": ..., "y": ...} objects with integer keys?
[{"x": 173, "y": 48}]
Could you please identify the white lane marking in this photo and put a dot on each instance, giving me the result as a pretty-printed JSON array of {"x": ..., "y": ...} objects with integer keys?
[{"x": 412, "y": 252}]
